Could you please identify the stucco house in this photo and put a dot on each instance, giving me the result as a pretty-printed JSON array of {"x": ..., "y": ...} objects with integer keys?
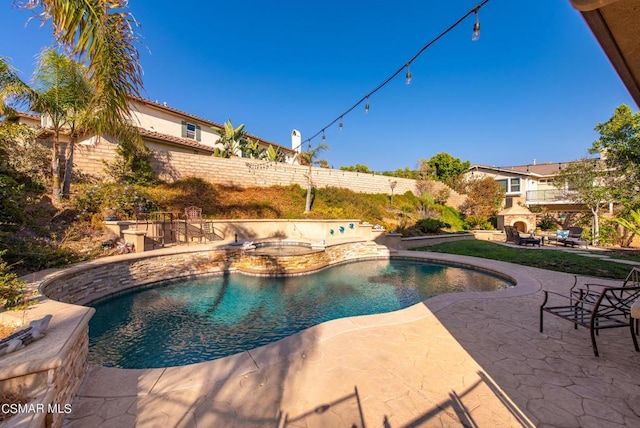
[
  {"x": 163, "y": 129},
  {"x": 528, "y": 186}
]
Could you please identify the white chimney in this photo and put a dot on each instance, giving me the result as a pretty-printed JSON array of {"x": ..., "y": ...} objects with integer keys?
[{"x": 296, "y": 141}]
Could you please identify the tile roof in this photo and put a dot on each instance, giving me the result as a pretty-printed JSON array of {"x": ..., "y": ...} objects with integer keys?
[
  {"x": 175, "y": 140},
  {"x": 27, "y": 115},
  {"x": 547, "y": 169}
]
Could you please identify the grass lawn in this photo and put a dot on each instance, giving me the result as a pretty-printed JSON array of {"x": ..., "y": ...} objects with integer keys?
[{"x": 541, "y": 258}]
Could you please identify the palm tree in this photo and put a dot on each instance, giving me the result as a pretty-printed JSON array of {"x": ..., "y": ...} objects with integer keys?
[
  {"x": 62, "y": 95},
  {"x": 12, "y": 89},
  {"x": 101, "y": 34},
  {"x": 308, "y": 158}
]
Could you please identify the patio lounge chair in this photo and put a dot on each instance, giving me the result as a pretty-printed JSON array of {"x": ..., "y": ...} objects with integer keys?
[
  {"x": 514, "y": 236},
  {"x": 558, "y": 236},
  {"x": 598, "y": 307},
  {"x": 574, "y": 237}
]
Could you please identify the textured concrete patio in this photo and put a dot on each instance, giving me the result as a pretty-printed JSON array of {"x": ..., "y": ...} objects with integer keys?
[{"x": 468, "y": 359}]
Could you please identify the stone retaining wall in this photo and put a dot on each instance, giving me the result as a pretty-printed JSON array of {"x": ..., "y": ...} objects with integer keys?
[
  {"x": 69, "y": 376},
  {"x": 50, "y": 370}
]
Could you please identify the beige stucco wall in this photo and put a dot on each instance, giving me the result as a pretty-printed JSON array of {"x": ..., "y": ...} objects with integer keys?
[{"x": 156, "y": 120}]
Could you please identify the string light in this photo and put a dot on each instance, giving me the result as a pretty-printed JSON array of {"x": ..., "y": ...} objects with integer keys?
[
  {"x": 365, "y": 99},
  {"x": 476, "y": 28}
]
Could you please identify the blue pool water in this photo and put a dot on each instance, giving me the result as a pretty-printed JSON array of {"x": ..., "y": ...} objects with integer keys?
[{"x": 202, "y": 319}]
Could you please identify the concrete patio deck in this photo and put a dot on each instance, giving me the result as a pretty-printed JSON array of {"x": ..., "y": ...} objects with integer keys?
[{"x": 468, "y": 359}]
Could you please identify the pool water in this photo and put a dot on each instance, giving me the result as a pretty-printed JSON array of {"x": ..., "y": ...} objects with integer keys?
[{"x": 195, "y": 320}]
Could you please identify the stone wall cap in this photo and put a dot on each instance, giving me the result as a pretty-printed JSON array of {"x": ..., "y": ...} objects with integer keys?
[{"x": 67, "y": 323}]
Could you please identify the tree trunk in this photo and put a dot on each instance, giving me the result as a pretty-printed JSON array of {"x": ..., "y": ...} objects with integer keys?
[
  {"x": 596, "y": 227},
  {"x": 68, "y": 169},
  {"x": 307, "y": 206},
  {"x": 55, "y": 170}
]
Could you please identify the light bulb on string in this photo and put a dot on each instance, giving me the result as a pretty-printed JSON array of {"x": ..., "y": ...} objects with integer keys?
[
  {"x": 476, "y": 28},
  {"x": 407, "y": 65},
  {"x": 324, "y": 139}
]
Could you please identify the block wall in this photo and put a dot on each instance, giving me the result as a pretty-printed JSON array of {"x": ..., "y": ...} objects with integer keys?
[{"x": 241, "y": 172}]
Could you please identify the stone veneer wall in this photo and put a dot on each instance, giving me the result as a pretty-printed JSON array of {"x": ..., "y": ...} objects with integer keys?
[
  {"x": 241, "y": 172},
  {"x": 69, "y": 376},
  {"x": 50, "y": 379},
  {"x": 85, "y": 283}
]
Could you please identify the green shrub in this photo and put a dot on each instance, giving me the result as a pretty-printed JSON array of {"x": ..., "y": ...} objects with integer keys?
[
  {"x": 10, "y": 211},
  {"x": 12, "y": 291},
  {"x": 132, "y": 164},
  {"x": 453, "y": 217},
  {"x": 120, "y": 201},
  {"x": 431, "y": 225},
  {"x": 479, "y": 222},
  {"x": 548, "y": 223}
]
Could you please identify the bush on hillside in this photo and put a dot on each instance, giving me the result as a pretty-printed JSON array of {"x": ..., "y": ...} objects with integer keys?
[
  {"x": 12, "y": 291},
  {"x": 10, "y": 211},
  {"x": 442, "y": 195},
  {"x": 431, "y": 225},
  {"x": 112, "y": 200}
]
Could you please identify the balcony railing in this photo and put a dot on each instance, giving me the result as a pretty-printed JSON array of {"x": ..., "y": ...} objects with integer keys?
[{"x": 553, "y": 195}]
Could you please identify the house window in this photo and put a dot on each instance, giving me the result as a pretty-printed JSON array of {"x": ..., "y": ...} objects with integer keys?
[
  {"x": 191, "y": 131},
  {"x": 515, "y": 185},
  {"x": 509, "y": 185}
]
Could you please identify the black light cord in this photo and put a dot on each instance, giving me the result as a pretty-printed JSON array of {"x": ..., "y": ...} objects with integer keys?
[{"x": 398, "y": 71}]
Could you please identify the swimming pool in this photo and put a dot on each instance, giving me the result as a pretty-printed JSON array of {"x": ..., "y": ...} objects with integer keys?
[{"x": 185, "y": 322}]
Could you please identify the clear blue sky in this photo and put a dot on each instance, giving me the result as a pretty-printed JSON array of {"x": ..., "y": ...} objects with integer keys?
[{"x": 533, "y": 87}]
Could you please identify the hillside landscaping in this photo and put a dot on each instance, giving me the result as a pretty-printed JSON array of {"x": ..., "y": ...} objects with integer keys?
[{"x": 37, "y": 234}]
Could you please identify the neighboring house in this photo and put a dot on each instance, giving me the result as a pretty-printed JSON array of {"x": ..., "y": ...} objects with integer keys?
[
  {"x": 528, "y": 186},
  {"x": 163, "y": 129}
]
